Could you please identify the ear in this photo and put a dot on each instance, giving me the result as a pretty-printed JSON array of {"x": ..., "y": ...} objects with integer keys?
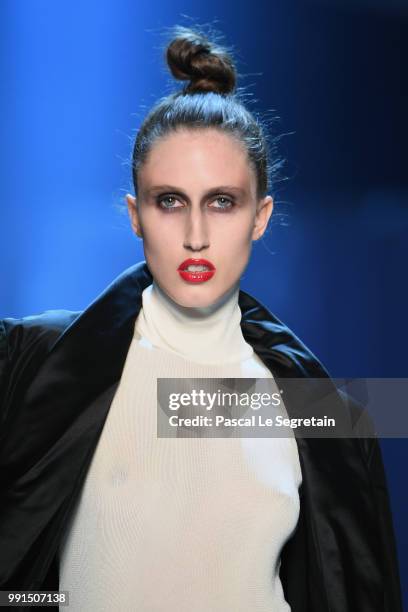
[
  {"x": 263, "y": 214},
  {"x": 133, "y": 214}
]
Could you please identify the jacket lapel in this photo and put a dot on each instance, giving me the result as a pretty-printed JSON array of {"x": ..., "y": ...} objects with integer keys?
[{"x": 63, "y": 413}]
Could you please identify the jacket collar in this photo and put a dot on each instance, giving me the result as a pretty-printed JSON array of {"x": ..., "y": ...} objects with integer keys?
[{"x": 109, "y": 321}]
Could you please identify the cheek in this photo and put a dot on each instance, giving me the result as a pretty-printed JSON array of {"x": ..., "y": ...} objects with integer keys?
[
  {"x": 234, "y": 249},
  {"x": 236, "y": 236},
  {"x": 230, "y": 238},
  {"x": 161, "y": 240}
]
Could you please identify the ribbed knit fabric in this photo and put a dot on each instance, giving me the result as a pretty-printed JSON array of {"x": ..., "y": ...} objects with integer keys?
[
  {"x": 181, "y": 524},
  {"x": 203, "y": 335}
]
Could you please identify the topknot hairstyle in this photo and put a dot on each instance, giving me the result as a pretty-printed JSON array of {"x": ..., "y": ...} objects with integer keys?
[
  {"x": 208, "y": 100},
  {"x": 192, "y": 57}
]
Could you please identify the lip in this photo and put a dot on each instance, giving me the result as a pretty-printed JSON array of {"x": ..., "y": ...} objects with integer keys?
[
  {"x": 196, "y": 277},
  {"x": 196, "y": 262}
]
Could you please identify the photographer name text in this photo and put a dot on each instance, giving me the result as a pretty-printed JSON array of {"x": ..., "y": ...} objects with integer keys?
[{"x": 255, "y": 420}]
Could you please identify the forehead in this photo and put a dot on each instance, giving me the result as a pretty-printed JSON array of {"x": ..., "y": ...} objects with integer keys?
[{"x": 198, "y": 157}]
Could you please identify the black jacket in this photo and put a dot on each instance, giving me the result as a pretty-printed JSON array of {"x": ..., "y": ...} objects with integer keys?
[{"x": 59, "y": 374}]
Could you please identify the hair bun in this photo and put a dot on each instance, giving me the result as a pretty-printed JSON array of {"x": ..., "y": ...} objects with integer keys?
[{"x": 192, "y": 57}]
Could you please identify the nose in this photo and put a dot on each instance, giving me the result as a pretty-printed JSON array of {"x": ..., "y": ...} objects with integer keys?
[{"x": 196, "y": 231}]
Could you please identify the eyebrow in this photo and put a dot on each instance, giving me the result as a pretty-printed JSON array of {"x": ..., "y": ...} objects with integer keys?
[{"x": 213, "y": 191}]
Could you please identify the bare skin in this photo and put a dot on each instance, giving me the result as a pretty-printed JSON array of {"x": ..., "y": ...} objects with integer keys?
[{"x": 197, "y": 199}]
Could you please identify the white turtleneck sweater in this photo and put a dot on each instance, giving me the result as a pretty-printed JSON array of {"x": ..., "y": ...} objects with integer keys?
[{"x": 181, "y": 524}]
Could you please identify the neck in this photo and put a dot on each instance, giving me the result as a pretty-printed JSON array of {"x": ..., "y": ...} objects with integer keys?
[{"x": 210, "y": 334}]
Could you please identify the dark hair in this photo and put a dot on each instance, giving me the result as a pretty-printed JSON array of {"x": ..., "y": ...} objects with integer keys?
[{"x": 207, "y": 100}]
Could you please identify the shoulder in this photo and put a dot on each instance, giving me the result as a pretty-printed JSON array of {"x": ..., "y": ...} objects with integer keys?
[
  {"x": 282, "y": 351},
  {"x": 20, "y": 335}
]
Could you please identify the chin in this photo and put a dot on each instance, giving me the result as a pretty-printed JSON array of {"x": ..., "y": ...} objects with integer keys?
[
  {"x": 196, "y": 296},
  {"x": 193, "y": 295}
]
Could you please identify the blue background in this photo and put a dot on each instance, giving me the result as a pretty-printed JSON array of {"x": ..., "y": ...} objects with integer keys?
[{"x": 77, "y": 78}]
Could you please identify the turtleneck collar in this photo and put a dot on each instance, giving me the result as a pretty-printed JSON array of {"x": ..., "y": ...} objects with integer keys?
[{"x": 208, "y": 335}]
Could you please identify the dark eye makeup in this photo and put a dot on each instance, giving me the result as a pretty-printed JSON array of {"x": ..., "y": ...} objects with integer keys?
[{"x": 228, "y": 205}]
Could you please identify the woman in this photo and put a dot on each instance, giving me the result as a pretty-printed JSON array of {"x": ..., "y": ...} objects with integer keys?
[{"x": 94, "y": 502}]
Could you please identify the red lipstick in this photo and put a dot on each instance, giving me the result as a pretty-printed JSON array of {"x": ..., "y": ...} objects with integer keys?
[{"x": 202, "y": 275}]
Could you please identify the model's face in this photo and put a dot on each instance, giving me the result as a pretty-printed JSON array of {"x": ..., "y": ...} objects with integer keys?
[{"x": 197, "y": 200}]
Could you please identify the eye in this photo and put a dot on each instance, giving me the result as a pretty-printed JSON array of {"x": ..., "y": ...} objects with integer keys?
[
  {"x": 167, "y": 203},
  {"x": 226, "y": 204}
]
